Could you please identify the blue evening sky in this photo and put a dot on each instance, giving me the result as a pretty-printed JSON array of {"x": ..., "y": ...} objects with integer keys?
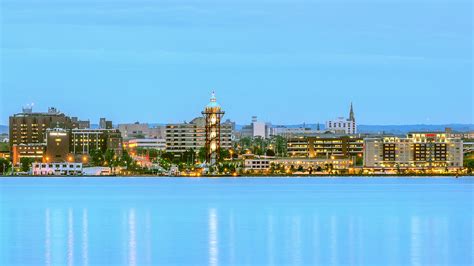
[{"x": 286, "y": 61}]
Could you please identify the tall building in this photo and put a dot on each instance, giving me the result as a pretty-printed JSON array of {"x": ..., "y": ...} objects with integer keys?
[
  {"x": 342, "y": 125},
  {"x": 213, "y": 114},
  {"x": 418, "y": 150},
  {"x": 28, "y": 131},
  {"x": 57, "y": 145}
]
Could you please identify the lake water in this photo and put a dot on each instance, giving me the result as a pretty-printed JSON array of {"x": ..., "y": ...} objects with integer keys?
[{"x": 245, "y": 221}]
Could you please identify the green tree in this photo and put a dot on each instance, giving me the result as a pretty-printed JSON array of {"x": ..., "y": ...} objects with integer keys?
[
  {"x": 110, "y": 159},
  {"x": 25, "y": 164},
  {"x": 4, "y": 165},
  {"x": 126, "y": 160},
  {"x": 97, "y": 157},
  {"x": 202, "y": 154}
]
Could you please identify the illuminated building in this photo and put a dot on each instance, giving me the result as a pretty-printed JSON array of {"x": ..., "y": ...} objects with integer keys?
[
  {"x": 28, "y": 129},
  {"x": 57, "y": 146},
  {"x": 182, "y": 137},
  {"x": 325, "y": 147},
  {"x": 83, "y": 141},
  {"x": 213, "y": 114},
  {"x": 419, "y": 150},
  {"x": 154, "y": 144}
]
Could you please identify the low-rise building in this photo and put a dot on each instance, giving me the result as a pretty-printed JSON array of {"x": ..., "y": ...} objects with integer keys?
[
  {"x": 417, "y": 151},
  {"x": 34, "y": 151},
  {"x": 61, "y": 169},
  {"x": 293, "y": 164},
  {"x": 325, "y": 147},
  {"x": 155, "y": 144}
]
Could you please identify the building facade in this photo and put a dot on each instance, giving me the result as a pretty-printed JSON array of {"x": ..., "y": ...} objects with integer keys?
[
  {"x": 61, "y": 169},
  {"x": 29, "y": 128},
  {"x": 141, "y": 130},
  {"x": 419, "y": 150},
  {"x": 57, "y": 145},
  {"x": 185, "y": 136},
  {"x": 155, "y": 144},
  {"x": 342, "y": 125},
  {"x": 325, "y": 147},
  {"x": 83, "y": 141}
]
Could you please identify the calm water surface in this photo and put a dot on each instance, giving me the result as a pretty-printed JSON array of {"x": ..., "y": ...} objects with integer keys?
[{"x": 298, "y": 221}]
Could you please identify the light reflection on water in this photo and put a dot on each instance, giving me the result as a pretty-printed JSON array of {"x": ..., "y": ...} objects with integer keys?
[{"x": 232, "y": 222}]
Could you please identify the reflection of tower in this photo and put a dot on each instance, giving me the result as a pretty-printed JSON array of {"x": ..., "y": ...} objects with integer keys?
[{"x": 213, "y": 115}]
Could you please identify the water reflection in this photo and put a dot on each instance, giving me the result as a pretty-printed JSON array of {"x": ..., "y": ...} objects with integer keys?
[
  {"x": 70, "y": 238},
  {"x": 264, "y": 227},
  {"x": 132, "y": 238},
  {"x": 415, "y": 244},
  {"x": 85, "y": 238},
  {"x": 213, "y": 238},
  {"x": 47, "y": 242}
]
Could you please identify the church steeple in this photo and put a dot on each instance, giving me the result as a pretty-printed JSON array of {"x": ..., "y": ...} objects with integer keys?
[{"x": 351, "y": 114}]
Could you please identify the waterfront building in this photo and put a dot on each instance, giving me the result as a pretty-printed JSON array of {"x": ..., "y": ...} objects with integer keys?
[
  {"x": 34, "y": 151},
  {"x": 155, "y": 144},
  {"x": 342, "y": 125},
  {"x": 28, "y": 127},
  {"x": 83, "y": 141},
  {"x": 293, "y": 164},
  {"x": 418, "y": 150},
  {"x": 325, "y": 147},
  {"x": 64, "y": 168},
  {"x": 57, "y": 145}
]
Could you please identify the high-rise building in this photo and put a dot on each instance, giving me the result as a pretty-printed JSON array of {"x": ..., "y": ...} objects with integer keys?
[
  {"x": 28, "y": 130},
  {"x": 419, "y": 150},
  {"x": 57, "y": 146},
  {"x": 342, "y": 125}
]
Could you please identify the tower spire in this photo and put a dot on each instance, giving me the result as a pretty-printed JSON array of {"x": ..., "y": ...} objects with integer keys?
[{"x": 351, "y": 114}]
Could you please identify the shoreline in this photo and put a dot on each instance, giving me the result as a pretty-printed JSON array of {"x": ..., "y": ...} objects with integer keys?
[{"x": 243, "y": 176}]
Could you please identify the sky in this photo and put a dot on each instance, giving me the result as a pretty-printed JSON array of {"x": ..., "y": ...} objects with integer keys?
[{"x": 285, "y": 61}]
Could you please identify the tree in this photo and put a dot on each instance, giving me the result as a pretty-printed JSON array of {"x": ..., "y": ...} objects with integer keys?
[
  {"x": 97, "y": 157},
  {"x": 270, "y": 153},
  {"x": 224, "y": 154},
  {"x": 126, "y": 160},
  {"x": 202, "y": 154},
  {"x": 4, "y": 165},
  {"x": 25, "y": 163},
  {"x": 280, "y": 146},
  {"x": 111, "y": 159}
]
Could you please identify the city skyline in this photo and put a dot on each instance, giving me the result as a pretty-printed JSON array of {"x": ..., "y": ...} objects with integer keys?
[{"x": 284, "y": 62}]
